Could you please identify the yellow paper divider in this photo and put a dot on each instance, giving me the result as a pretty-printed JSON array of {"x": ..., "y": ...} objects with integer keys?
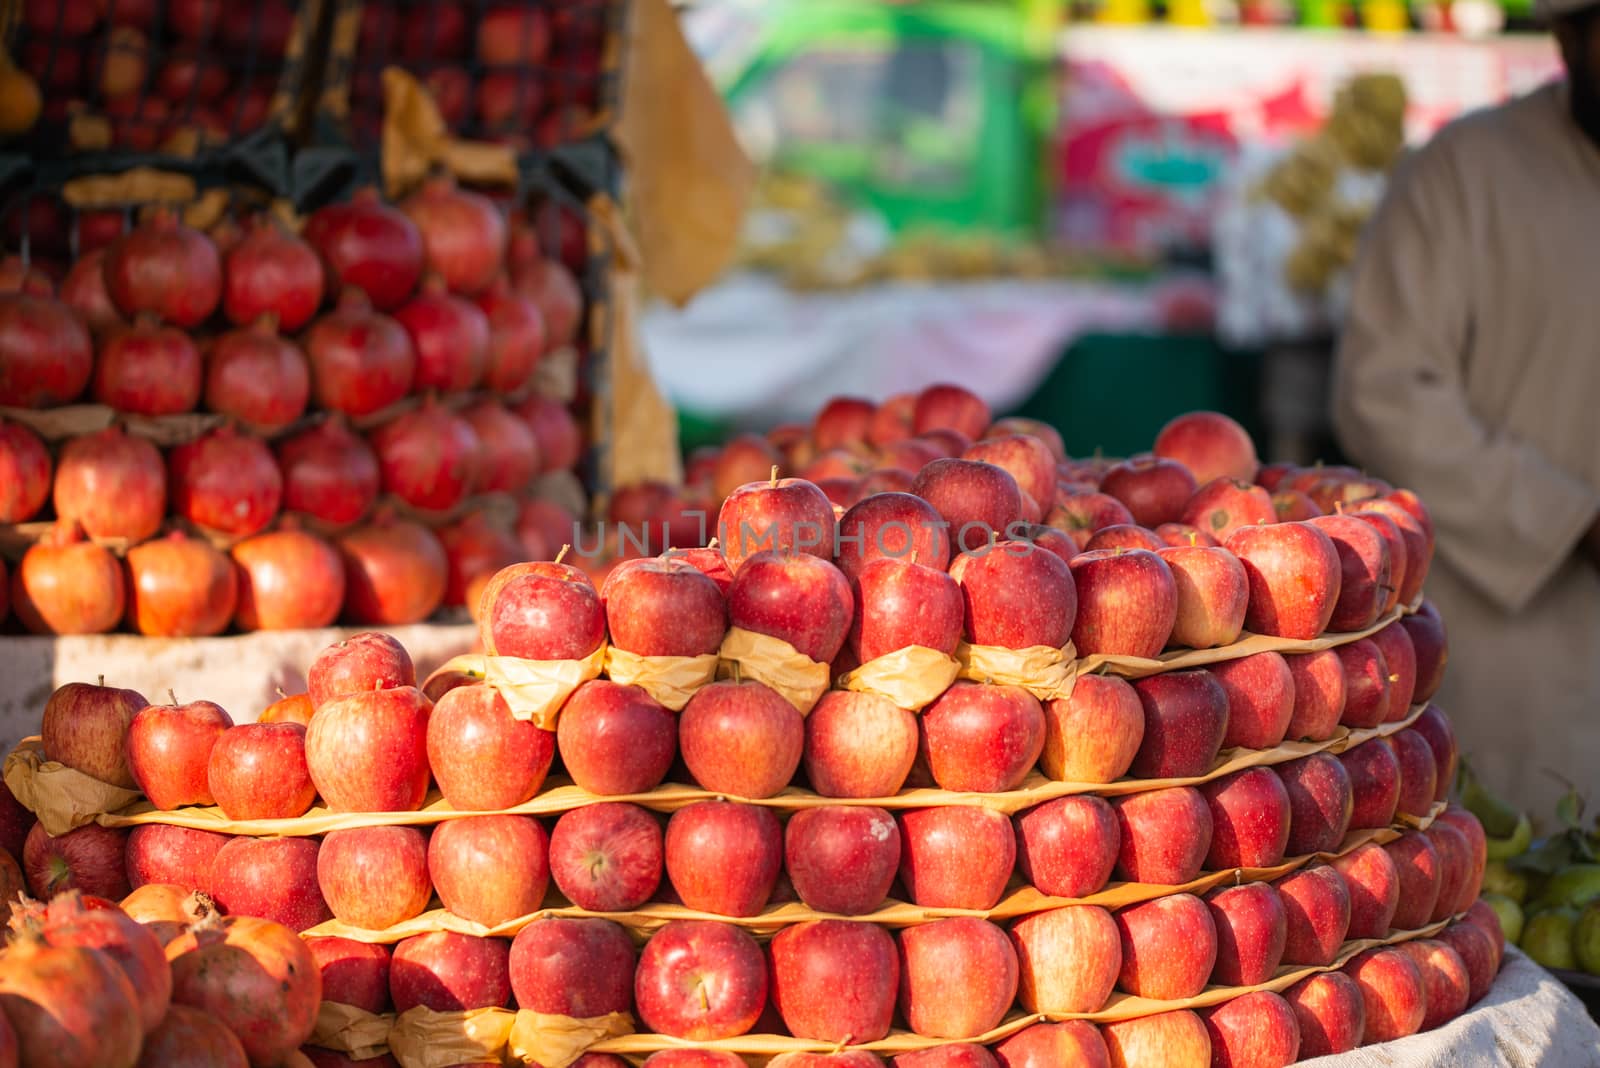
[
  {"x": 62, "y": 797},
  {"x": 671, "y": 680},
  {"x": 775, "y": 663},
  {"x": 357, "y": 1033},
  {"x": 423, "y": 1038},
  {"x": 1138, "y": 667},
  {"x": 416, "y": 139},
  {"x": 556, "y": 1041},
  {"x": 911, "y": 678},
  {"x": 533, "y": 689},
  {"x": 1020, "y": 900},
  {"x": 1043, "y": 671}
]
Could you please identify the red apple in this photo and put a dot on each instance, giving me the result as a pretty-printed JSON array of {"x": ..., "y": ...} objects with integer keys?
[
  {"x": 1399, "y": 555},
  {"x": 977, "y": 500},
  {"x": 1081, "y": 514},
  {"x": 258, "y": 771},
  {"x": 1093, "y": 735},
  {"x": 540, "y": 611},
  {"x": 359, "y": 664},
  {"x": 1212, "y": 595},
  {"x": 490, "y": 869},
  {"x": 835, "y": 465},
  {"x": 1028, "y": 460},
  {"x": 1320, "y": 803},
  {"x": 89, "y": 859},
  {"x": 1477, "y": 952},
  {"x": 1169, "y": 947},
  {"x": 1418, "y": 772},
  {"x": 1185, "y": 719},
  {"x": 482, "y": 756},
  {"x": 948, "y": 406},
  {"x": 1441, "y": 738},
  {"x": 892, "y": 421},
  {"x": 859, "y": 745},
  {"x": 1331, "y": 1012},
  {"x": 1416, "y": 864},
  {"x": 955, "y": 856},
  {"x": 1294, "y": 576},
  {"x": 159, "y": 853},
  {"x": 1418, "y": 543},
  {"x": 842, "y": 858},
  {"x": 168, "y": 750},
  {"x": 1127, "y": 603},
  {"x": 982, "y": 738},
  {"x": 368, "y": 752},
  {"x": 664, "y": 608},
  {"x": 909, "y": 456},
  {"x": 273, "y": 878},
  {"x": 700, "y": 980},
  {"x": 1164, "y": 835},
  {"x": 1476, "y": 857},
  {"x": 1016, "y": 596},
  {"x": 1365, "y": 568},
  {"x": 1316, "y": 904},
  {"x": 1068, "y": 847},
  {"x": 615, "y": 739},
  {"x": 1445, "y": 984},
  {"x": 1124, "y": 536},
  {"x": 835, "y": 980},
  {"x": 1366, "y": 683},
  {"x": 785, "y": 515},
  {"x": 1260, "y": 691},
  {"x": 1251, "y": 929},
  {"x": 607, "y": 856},
  {"x": 1319, "y": 695},
  {"x": 1374, "y": 783},
  {"x": 1255, "y": 1030},
  {"x": 724, "y": 857},
  {"x": 1292, "y": 506},
  {"x": 958, "y": 977},
  {"x": 899, "y": 603},
  {"x": 1050, "y": 1045},
  {"x": 690, "y": 1057},
  {"x": 1391, "y": 993},
  {"x": 449, "y": 972},
  {"x": 1182, "y": 534},
  {"x": 1154, "y": 489},
  {"x": 1432, "y": 649},
  {"x": 1400, "y": 656},
  {"x": 1209, "y": 444},
  {"x": 1249, "y": 820},
  {"x": 745, "y": 459},
  {"x": 375, "y": 877},
  {"x": 1223, "y": 505},
  {"x": 1021, "y": 424},
  {"x": 573, "y": 967},
  {"x": 1084, "y": 934},
  {"x": 1176, "y": 1039},
  {"x": 843, "y": 423},
  {"x": 353, "y": 973},
  {"x": 15, "y": 821},
  {"x": 85, "y": 727},
  {"x": 896, "y": 525},
  {"x": 741, "y": 738},
  {"x": 1482, "y": 915},
  {"x": 1374, "y": 885},
  {"x": 801, "y": 599}
]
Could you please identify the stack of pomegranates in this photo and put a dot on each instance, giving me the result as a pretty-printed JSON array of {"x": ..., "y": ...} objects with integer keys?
[{"x": 369, "y": 381}]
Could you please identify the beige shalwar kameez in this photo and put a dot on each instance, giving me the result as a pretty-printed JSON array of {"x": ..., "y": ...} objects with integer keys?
[{"x": 1470, "y": 372}]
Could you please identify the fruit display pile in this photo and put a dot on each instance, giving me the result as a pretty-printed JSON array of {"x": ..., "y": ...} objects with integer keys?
[
  {"x": 356, "y": 413},
  {"x": 912, "y": 778}
]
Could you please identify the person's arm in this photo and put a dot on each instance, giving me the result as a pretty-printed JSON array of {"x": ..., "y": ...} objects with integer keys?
[{"x": 1506, "y": 517}]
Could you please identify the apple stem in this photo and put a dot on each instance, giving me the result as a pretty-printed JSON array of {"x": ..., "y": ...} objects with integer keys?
[
  {"x": 279, "y": 691},
  {"x": 1194, "y": 538},
  {"x": 1394, "y": 678},
  {"x": 713, "y": 543},
  {"x": 774, "y": 474},
  {"x": 172, "y": 697},
  {"x": 562, "y": 553},
  {"x": 736, "y": 678},
  {"x": 100, "y": 680}
]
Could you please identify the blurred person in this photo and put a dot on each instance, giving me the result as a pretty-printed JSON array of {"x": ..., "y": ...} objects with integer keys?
[{"x": 1469, "y": 371}]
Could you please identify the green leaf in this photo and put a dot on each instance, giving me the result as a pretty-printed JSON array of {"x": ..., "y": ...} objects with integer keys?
[
  {"x": 1545, "y": 856},
  {"x": 1569, "y": 810}
]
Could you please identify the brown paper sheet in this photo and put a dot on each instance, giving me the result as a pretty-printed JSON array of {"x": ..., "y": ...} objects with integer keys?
[
  {"x": 773, "y": 662},
  {"x": 140, "y": 185},
  {"x": 423, "y": 1038},
  {"x": 416, "y": 140},
  {"x": 58, "y": 424},
  {"x": 63, "y": 798},
  {"x": 912, "y": 678},
  {"x": 357, "y": 1033},
  {"x": 1046, "y": 673},
  {"x": 556, "y": 1041},
  {"x": 671, "y": 680},
  {"x": 533, "y": 689}
]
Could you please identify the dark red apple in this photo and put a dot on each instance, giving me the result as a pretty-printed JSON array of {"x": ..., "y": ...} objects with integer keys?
[
  {"x": 842, "y": 858},
  {"x": 179, "y": 856},
  {"x": 664, "y": 607},
  {"x": 449, "y": 972},
  {"x": 1320, "y": 802},
  {"x": 1254, "y": 1030},
  {"x": 1067, "y": 847},
  {"x": 1416, "y": 864},
  {"x": 1319, "y": 695},
  {"x": 1418, "y": 772},
  {"x": 1016, "y": 596},
  {"x": 901, "y": 526},
  {"x": 801, "y": 599},
  {"x": 1251, "y": 930},
  {"x": 1249, "y": 820},
  {"x": 1455, "y": 868},
  {"x": 85, "y": 727},
  {"x": 353, "y": 973},
  {"x": 1164, "y": 835},
  {"x": 89, "y": 859},
  {"x": 607, "y": 856},
  {"x": 700, "y": 980},
  {"x": 1260, "y": 691},
  {"x": 1432, "y": 649},
  {"x": 1185, "y": 720},
  {"x": 1154, "y": 489},
  {"x": 564, "y": 966},
  {"x": 979, "y": 501},
  {"x": 1374, "y": 885},
  {"x": 1331, "y": 1013},
  {"x": 1366, "y": 683},
  {"x": 273, "y": 878},
  {"x": 1435, "y": 727},
  {"x": 541, "y": 611},
  {"x": 1124, "y": 536},
  {"x": 1316, "y": 904},
  {"x": 1127, "y": 603},
  {"x": 1374, "y": 783},
  {"x": 1365, "y": 568},
  {"x": 955, "y": 856},
  {"x": 784, "y": 515},
  {"x": 835, "y": 980},
  {"x": 724, "y": 857},
  {"x": 1477, "y": 951}
]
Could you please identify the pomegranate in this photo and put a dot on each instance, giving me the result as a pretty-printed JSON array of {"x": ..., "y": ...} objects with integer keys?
[
  {"x": 544, "y": 527},
  {"x": 112, "y": 483},
  {"x": 430, "y": 457},
  {"x": 361, "y": 360},
  {"x": 271, "y": 272},
  {"x": 140, "y": 13},
  {"x": 329, "y": 473},
  {"x": 556, "y": 293},
  {"x": 255, "y": 977},
  {"x": 148, "y": 369},
  {"x": 440, "y": 32},
  {"x": 516, "y": 337},
  {"x": 84, "y": 291},
  {"x": 12, "y": 888},
  {"x": 476, "y": 547},
  {"x": 189, "y": 1038},
  {"x": 87, "y": 859},
  {"x": 45, "y": 352},
  {"x": 257, "y": 377},
  {"x": 513, "y": 34},
  {"x": 164, "y": 909},
  {"x": 395, "y": 572},
  {"x": 18, "y": 276},
  {"x": 266, "y": 27},
  {"x": 164, "y": 267},
  {"x": 225, "y": 481},
  {"x": 97, "y": 229},
  {"x": 368, "y": 244},
  {"x": 195, "y": 19},
  {"x": 451, "y": 338},
  {"x": 188, "y": 73},
  {"x": 463, "y": 233},
  {"x": 288, "y": 580},
  {"x": 24, "y": 473},
  {"x": 560, "y": 440},
  {"x": 510, "y": 451},
  {"x": 180, "y": 587},
  {"x": 66, "y": 585},
  {"x": 139, "y": 123},
  {"x": 66, "y": 922},
  {"x": 71, "y": 1007},
  {"x": 451, "y": 89},
  {"x": 507, "y": 102}
]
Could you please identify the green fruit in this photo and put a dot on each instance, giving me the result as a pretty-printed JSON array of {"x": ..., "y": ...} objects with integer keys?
[
  {"x": 1513, "y": 846},
  {"x": 1547, "y": 938},
  {"x": 1499, "y": 879},
  {"x": 1586, "y": 939},
  {"x": 1510, "y": 913},
  {"x": 1571, "y": 887},
  {"x": 1499, "y": 817}
]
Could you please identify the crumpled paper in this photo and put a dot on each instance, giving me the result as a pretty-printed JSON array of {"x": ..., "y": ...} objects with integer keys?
[
  {"x": 912, "y": 678},
  {"x": 423, "y": 1038},
  {"x": 63, "y": 798},
  {"x": 1045, "y": 672},
  {"x": 416, "y": 140},
  {"x": 533, "y": 689},
  {"x": 671, "y": 680},
  {"x": 773, "y": 662},
  {"x": 357, "y": 1033}
]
